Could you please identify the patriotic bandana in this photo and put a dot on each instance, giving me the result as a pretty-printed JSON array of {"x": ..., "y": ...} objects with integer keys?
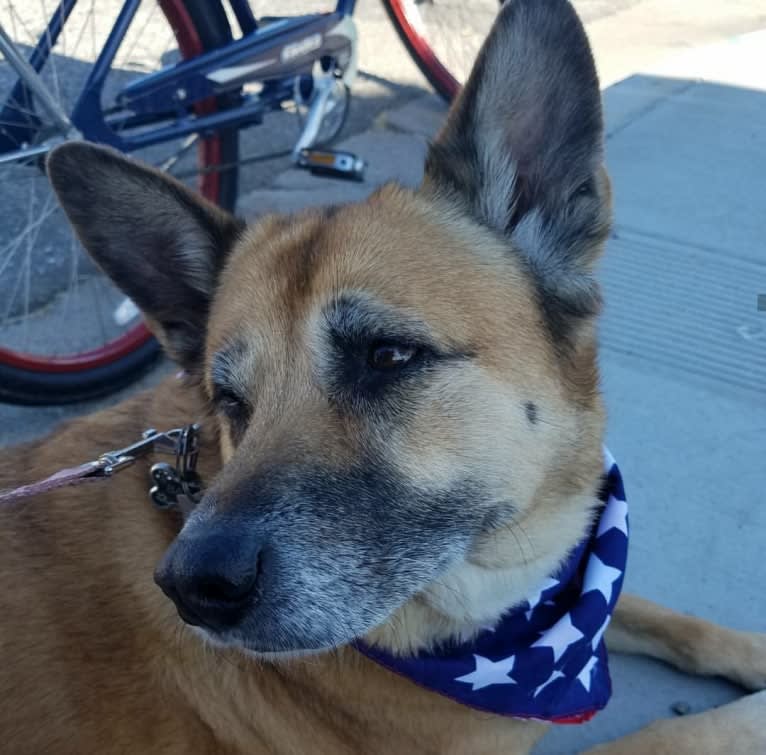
[{"x": 546, "y": 658}]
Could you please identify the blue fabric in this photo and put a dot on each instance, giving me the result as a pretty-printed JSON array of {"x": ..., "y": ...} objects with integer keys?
[{"x": 546, "y": 658}]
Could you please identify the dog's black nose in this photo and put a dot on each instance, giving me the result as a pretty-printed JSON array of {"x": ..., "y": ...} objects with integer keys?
[{"x": 212, "y": 578}]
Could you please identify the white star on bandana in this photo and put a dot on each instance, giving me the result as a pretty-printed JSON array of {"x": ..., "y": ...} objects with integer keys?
[
  {"x": 600, "y": 577},
  {"x": 585, "y": 675},
  {"x": 489, "y": 672},
  {"x": 535, "y": 598},
  {"x": 552, "y": 678},
  {"x": 600, "y": 632},
  {"x": 614, "y": 517},
  {"x": 559, "y": 637}
]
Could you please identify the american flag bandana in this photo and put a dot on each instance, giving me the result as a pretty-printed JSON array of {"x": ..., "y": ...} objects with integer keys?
[{"x": 546, "y": 658}]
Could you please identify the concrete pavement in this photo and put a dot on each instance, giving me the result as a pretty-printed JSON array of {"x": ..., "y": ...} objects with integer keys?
[{"x": 684, "y": 347}]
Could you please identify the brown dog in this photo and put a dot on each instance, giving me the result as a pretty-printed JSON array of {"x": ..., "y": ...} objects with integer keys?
[{"x": 403, "y": 435}]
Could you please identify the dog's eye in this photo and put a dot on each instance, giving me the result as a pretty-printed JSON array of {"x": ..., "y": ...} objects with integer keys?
[
  {"x": 229, "y": 403},
  {"x": 391, "y": 356},
  {"x": 586, "y": 189}
]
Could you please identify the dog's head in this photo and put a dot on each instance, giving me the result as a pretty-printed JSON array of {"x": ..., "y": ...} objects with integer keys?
[{"x": 406, "y": 387}]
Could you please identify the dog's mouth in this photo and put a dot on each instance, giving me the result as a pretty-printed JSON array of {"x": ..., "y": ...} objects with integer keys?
[{"x": 233, "y": 641}]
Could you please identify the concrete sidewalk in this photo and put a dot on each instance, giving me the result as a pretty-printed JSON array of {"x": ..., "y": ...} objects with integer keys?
[{"x": 684, "y": 347}]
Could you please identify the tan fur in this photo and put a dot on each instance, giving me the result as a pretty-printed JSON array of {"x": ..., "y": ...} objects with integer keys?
[
  {"x": 473, "y": 423},
  {"x": 94, "y": 657},
  {"x": 491, "y": 260}
]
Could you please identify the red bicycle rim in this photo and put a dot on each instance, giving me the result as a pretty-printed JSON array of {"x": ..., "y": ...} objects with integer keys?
[
  {"x": 409, "y": 18},
  {"x": 209, "y": 153}
]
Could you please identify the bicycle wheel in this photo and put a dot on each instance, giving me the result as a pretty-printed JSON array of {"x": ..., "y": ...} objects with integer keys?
[
  {"x": 443, "y": 36},
  {"x": 66, "y": 333}
]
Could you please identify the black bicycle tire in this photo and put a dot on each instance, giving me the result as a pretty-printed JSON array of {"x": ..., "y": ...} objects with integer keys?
[
  {"x": 447, "y": 94},
  {"x": 32, "y": 388},
  {"x": 44, "y": 388}
]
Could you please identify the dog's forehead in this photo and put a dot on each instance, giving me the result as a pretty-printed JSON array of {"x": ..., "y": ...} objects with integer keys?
[{"x": 397, "y": 249}]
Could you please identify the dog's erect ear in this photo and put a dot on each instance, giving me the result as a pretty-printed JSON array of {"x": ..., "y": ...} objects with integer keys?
[
  {"x": 522, "y": 150},
  {"x": 159, "y": 242}
]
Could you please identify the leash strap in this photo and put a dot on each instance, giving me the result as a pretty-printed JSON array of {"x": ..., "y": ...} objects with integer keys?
[
  {"x": 172, "y": 482},
  {"x": 62, "y": 479}
]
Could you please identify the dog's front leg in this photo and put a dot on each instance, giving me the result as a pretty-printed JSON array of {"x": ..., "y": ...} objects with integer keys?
[
  {"x": 697, "y": 647},
  {"x": 733, "y": 729},
  {"x": 690, "y": 644}
]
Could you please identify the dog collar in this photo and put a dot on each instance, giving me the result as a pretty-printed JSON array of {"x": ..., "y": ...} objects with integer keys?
[{"x": 545, "y": 658}]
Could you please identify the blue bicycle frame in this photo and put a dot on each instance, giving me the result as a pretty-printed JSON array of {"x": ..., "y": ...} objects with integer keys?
[{"x": 281, "y": 56}]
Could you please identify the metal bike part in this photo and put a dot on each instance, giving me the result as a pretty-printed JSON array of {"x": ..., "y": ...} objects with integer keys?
[
  {"x": 330, "y": 91},
  {"x": 347, "y": 28},
  {"x": 32, "y": 80},
  {"x": 326, "y": 95},
  {"x": 328, "y": 162},
  {"x": 26, "y": 154}
]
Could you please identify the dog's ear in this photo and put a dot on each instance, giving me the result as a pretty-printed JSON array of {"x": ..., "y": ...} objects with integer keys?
[
  {"x": 522, "y": 151},
  {"x": 159, "y": 242}
]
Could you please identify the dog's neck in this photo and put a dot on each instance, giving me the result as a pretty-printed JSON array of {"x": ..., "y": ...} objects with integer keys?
[{"x": 349, "y": 703}]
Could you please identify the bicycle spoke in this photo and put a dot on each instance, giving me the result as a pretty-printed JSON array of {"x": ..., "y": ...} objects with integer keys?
[
  {"x": 73, "y": 290},
  {"x": 52, "y": 57},
  {"x": 137, "y": 37},
  {"x": 82, "y": 32},
  {"x": 73, "y": 255},
  {"x": 168, "y": 164},
  {"x": 16, "y": 17},
  {"x": 92, "y": 16},
  {"x": 33, "y": 227},
  {"x": 14, "y": 29},
  {"x": 27, "y": 275},
  {"x": 99, "y": 310},
  {"x": 18, "y": 109},
  {"x": 20, "y": 273},
  {"x": 12, "y": 297}
]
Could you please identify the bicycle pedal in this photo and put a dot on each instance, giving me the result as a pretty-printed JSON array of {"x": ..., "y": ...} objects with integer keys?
[{"x": 332, "y": 163}]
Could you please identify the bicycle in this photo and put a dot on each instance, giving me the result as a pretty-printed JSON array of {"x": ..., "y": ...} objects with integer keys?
[{"x": 183, "y": 106}]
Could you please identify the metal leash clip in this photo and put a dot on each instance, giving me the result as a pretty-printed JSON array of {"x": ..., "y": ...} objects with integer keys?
[{"x": 170, "y": 481}]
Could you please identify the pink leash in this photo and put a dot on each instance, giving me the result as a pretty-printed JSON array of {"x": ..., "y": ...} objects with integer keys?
[
  {"x": 66, "y": 477},
  {"x": 171, "y": 483}
]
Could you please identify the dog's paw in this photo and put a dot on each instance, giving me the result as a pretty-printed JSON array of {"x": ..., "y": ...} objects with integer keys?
[
  {"x": 745, "y": 717},
  {"x": 750, "y": 666}
]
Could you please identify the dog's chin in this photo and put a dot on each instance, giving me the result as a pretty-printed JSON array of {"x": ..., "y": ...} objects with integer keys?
[{"x": 240, "y": 645}]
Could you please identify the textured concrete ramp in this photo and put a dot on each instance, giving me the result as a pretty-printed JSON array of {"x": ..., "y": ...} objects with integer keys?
[
  {"x": 684, "y": 358},
  {"x": 687, "y": 310}
]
